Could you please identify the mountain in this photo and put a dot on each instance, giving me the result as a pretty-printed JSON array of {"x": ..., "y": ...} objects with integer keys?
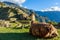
[
  {"x": 10, "y": 11},
  {"x": 10, "y": 4},
  {"x": 52, "y": 15}
]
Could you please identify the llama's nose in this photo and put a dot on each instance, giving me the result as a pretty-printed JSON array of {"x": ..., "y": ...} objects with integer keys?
[{"x": 54, "y": 35}]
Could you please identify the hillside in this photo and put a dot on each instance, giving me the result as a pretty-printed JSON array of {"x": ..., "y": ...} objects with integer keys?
[{"x": 9, "y": 11}]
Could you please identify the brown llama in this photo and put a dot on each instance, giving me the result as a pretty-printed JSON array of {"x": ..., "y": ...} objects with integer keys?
[{"x": 42, "y": 29}]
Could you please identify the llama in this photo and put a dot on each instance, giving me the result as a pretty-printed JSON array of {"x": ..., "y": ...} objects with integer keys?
[{"x": 42, "y": 29}]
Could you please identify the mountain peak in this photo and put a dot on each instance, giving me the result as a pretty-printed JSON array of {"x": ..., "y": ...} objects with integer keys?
[
  {"x": 10, "y": 3},
  {"x": 54, "y": 8}
]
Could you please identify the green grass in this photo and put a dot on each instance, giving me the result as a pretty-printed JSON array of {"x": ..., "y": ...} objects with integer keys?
[{"x": 20, "y": 34}]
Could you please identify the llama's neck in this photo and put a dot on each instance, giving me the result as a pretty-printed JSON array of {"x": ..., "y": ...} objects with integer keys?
[{"x": 33, "y": 17}]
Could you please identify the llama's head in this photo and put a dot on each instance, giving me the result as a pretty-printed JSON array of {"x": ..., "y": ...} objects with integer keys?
[
  {"x": 32, "y": 17},
  {"x": 52, "y": 31}
]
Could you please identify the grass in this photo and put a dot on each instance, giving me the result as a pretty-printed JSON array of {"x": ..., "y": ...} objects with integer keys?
[{"x": 20, "y": 34}]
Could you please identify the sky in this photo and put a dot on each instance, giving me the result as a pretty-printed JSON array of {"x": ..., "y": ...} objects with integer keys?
[
  {"x": 41, "y": 4},
  {"x": 37, "y": 4}
]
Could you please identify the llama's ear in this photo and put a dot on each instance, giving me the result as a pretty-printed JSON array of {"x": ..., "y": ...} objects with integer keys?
[
  {"x": 32, "y": 21},
  {"x": 48, "y": 24}
]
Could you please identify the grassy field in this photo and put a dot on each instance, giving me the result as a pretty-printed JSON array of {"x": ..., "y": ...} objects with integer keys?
[{"x": 20, "y": 34}]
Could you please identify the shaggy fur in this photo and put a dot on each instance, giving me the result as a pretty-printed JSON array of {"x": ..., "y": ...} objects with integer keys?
[{"x": 43, "y": 30}]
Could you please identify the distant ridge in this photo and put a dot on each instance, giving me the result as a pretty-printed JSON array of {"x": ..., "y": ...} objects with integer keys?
[{"x": 52, "y": 15}]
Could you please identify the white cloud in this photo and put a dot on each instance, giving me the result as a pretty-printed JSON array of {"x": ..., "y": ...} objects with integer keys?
[
  {"x": 54, "y": 8},
  {"x": 25, "y": 7},
  {"x": 19, "y": 2}
]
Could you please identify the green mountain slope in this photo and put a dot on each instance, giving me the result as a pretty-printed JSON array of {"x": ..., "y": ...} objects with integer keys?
[{"x": 17, "y": 13}]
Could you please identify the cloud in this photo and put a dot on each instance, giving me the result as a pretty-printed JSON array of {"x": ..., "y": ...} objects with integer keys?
[
  {"x": 54, "y": 8},
  {"x": 19, "y": 2},
  {"x": 25, "y": 7}
]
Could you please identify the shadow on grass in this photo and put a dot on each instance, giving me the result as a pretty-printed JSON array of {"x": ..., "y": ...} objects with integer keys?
[{"x": 16, "y": 36}]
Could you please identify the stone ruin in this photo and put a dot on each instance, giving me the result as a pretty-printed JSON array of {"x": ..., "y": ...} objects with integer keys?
[{"x": 4, "y": 23}]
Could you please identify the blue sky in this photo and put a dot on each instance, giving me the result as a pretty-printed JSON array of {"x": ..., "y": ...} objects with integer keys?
[
  {"x": 40, "y": 4},
  {"x": 37, "y": 4}
]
